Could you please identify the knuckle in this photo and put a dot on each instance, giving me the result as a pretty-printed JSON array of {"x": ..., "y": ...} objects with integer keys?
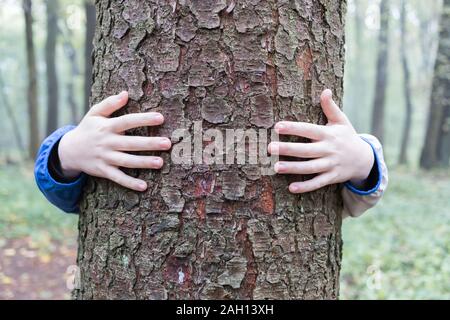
[
  {"x": 103, "y": 127},
  {"x": 127, "y": 122},
  {"x": 318, "y": 185},
  {"x": 313, "y": 167},
  {"x": 100, "y": 168},
  {"x": 123, "y": 161},
  {"x": 329, "y": 163},
  {"x": 336, "y": 176},
  {"x": 307, "y": 151}
]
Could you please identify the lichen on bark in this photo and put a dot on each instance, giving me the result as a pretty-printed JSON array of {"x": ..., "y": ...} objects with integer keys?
[{"x": 223, "y": 232}]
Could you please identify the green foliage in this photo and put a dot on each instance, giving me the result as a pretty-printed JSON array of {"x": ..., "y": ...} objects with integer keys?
[
  {"x": 400, "y": 249},
  {"x": 13, "y": 62},
  {"x": 24, "y": 212}
]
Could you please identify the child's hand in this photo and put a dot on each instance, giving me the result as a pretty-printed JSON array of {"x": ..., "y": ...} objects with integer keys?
[
  {"x": 96, "y": 147},
  {"x": 338, "y": 154}
]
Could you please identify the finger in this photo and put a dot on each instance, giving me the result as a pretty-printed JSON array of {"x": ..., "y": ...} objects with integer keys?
[
  {"x": 135, "y": 143},
  {"x": 124, "y": 160},
  {"x": 125, "y": 180},
  {"x": 110, "y": 105},
  {"x": 301, "y": 129},
  {"x": 303, "y": 167},
  {"x": 333, "y": 113},
  {"x": 136, "y": 120},
  {"x": 314, "y": 184},
  {"x": 299, "y": 150}
]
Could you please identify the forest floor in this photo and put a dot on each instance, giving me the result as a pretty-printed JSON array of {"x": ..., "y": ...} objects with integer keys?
[
  {"x": 37, "y": 241},
  {"x": 398, "y": 250}
]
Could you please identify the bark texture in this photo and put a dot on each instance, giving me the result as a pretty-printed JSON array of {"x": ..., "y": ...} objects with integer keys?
[
  {"x": 214, "y": 232},
  {"x": 50, "y": 60},
  {"x": 381, "y": 77},
  {"x": 33, "y": 131},
  {"x": 436, "y": 150}
]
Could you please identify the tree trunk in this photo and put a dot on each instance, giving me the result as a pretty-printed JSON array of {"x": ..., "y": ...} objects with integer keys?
[
  {"x": 436, "y": 150},
  {"x": 428, "y": 36},
  {"x": 224, "y": 231},
  {"x": 403, "y": 158},
  {"x": 381, "y": 77},
  {"x": 359, "y": 78},
  {"x": 33, "y": 144},
  {"x": 89, "y": 8},
  {"x": 71, "y": 55},
  {"x": 50, "y": 60},
  {"x": 10, "y": 112}
]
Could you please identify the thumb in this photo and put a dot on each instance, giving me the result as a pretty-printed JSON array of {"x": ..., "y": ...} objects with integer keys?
[
  {"x": 333, "y": 113},
  {"x": 110, "y": 105}
]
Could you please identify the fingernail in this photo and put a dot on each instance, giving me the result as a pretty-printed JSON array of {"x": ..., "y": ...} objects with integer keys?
[
  {"x": 158, "y": 117},
  {"x": 279, "y": 127},
  {"x": 166, "y": 143},
  {"x": 294, "y": 188},
  {"x": 157, "y": 163},
  {"x": 142, "y": 186},
  {"x": 278, "y": 167},
  {"x": 273, "y": 147}
]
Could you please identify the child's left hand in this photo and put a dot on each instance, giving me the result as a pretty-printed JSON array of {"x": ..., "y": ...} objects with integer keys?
[{"x": 338, "y": 154}]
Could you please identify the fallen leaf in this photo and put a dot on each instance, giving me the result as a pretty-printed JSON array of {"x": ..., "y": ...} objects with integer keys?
[{"x": 10, "y": 252}]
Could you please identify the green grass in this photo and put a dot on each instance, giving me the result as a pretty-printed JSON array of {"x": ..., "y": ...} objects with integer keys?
[
  {"x": 398, "y": 250},
  {"x": 24, "y": 212}
]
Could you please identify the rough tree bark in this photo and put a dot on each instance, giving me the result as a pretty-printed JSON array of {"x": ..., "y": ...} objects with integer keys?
[
  {"x": 214, "y": 232},
  {"x": 33, "y": 132},
  {"x": 50, "y": 61},
  {"x": 436, "y": 150},
  {"x": 89, "y": 9},
  {"x": 381, "y": 77},
  {"x": 403, "y": 157}
]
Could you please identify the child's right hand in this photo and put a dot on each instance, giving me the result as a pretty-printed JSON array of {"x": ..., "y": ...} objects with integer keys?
[{"x": 97, "y": 146}]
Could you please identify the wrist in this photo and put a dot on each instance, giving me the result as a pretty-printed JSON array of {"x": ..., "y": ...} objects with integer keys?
[
  {"x": 68, "y": 166},
  {"x": 367, "y": 160}
]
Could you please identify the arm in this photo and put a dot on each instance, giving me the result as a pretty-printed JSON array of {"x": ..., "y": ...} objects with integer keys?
[
  {"x": 358, "y": 198},
  {"x": 66, "y": 193},
  {"x": 336, "y": 154},
  {"x": 99, "y": 147}
]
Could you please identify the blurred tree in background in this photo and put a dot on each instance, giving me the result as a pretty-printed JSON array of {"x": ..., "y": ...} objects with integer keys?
[
  {"x": 436, "y": 151},
  {"x": 396, "y": 85},
  {"x": 382, "y": 69},
  {"x": 50, "y": 61},
  {"x": 403, "y": 157},
  {"x": 33, "y": 131},
  {"x": 375, "y": 85},
  {"x": 89, "y": 8}
]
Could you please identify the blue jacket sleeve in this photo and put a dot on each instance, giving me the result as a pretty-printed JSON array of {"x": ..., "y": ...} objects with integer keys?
[
  {"x": 373, "y": 182},
  {"x": 358, "y": 200},
  {"x": 63, "y": 195}
]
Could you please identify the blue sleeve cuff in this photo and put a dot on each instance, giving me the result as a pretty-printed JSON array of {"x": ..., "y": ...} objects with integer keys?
[
  {"x": 63, "y": 195},
  {"x": 373, "y": 182}
]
